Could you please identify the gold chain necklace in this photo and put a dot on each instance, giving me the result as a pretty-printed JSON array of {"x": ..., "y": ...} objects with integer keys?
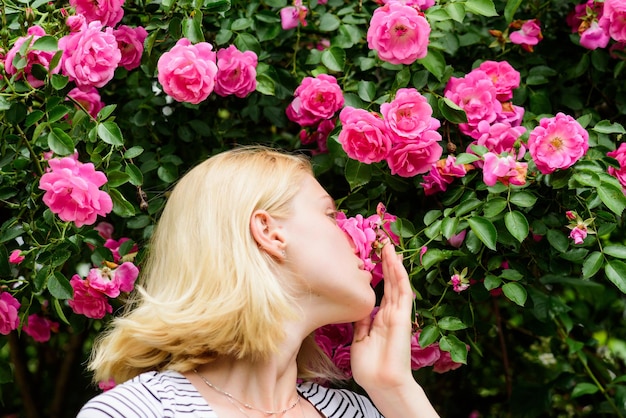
[{"x": 232, "y": 399}]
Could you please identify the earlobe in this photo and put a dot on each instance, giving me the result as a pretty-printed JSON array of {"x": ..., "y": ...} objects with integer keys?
[{"x": 268, "y": 234}]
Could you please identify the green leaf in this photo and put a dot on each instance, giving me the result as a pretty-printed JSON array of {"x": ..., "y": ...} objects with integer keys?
[
  {"x": 510, "y": 9},
  {"x": 613, "y": 197},
  {"x": 558, "y": 240},
  {"x": 59, "y": 81},
  {"x": 59, "y": 287},
  {"x": 451, "y": 111},
  {"x": 192, "y": 27},
  {"x": 434, "y": 62},
  {"x": 59, "y": 310},
  {"x": 241, "y": 24},
  {"x": 448, "y": 227},
  {"x": 484, "y": 230},
  {"x": 615, "y": 250},
  {"x": 117, "y": 178},
  {"x": 334, "y": 58},
  {"x": 481, "y": 7},
  {"x": 110, "y": 133},
  {"x": 492, "y": 282},
  {"x": 456, "y": 11},
  {"x": 428, "y": 335},
  {"x": 584, "y": 388},
  {"x": 329, "y": 23},
  {"x": 246, "y": 42},
  {"x": 451, "y": 323},
  {"x": 367, "y": 90},
  {"x": 494, "y": 207},
  {"x": 616, "y": 272},
  {"x": 515, "y": 292},
  {"x": 106, "y": 111},
  {"x": 517, "y": 225},
  {"x": 606, "y": 127},
  {"x": 592, "y": 264},
  {"x": 133, "y": 152},
  {"x": 121, "y": 206},
  {"x": 60, "y": 142},
  {"x": 33, "y": 117},
  {"x": 456, "y": 348},
  {"x": 135, "y": 175},
  {"x": 434, "y": 256},
  {"x": 45, "y": 43},
  {"x": 466, "y": 158},
  {"x": 523, "y": 199},
  {"x": 357, "y": 173}
]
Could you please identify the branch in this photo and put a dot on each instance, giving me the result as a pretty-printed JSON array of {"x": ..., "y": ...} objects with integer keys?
[{"x": 22, "y": 377}]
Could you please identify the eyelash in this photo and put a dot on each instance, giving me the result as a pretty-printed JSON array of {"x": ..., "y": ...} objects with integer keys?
[{"x": 333, "y": 215}]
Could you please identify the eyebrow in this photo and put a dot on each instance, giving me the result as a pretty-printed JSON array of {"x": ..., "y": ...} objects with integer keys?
[{"x": 331, "y": 200}]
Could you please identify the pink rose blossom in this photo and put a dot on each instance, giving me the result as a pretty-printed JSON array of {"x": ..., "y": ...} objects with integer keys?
[
  {"x": 442, "y": 173},
  {"x": 89, "y": 98},
  {"x": 114, "y": 246},
  {"x": 528, "y": 35},
  {"x": 363, "y": 135},
  {"x": 335, "y": 341},
  {"x": 315, "y": 99},
  {"x": 130, "y": 42},
  {"x": 108, "y": 12},
  {"x": 423, "y": 356},
  {"x": 457, "y": 240},
  {"x": 417, "y": 4},
  {"x": 504, "y": 169},
  {"x": 578, "y": 234},
  {"x": 75, "y": 22},
  {"x": 619, "y": 173},
  {"x": 39, "y": 327},
  {"x": 399, "y": 33},
  {"x": 187, "y": 72},
  {"x": 459, "y": 283},
  {"x": 505, "y": 78},
  {"x": 594, "y": 37},
  {"x": 292, "y": 16},
  {"x": 72, "y": 191},
  {"x": 113, "y": 281},
  {"x": 320, "y": 135},
  {"x": 9, "y": 319},
  {"x": 90, "y": 56},
  {"x": 613, "y": 19},
  {"x": 499, "y": 138},
  {"x": 557, "y": 143},
  {"x": 362, "y": 236},
  {"x": 571, "y": 215},
  {"x": 16, "y": 257},
  {"x": 423, "y": 251},
  {"x": 409, "y": 114},
  {"x": 510, "y": 114},
  {"x": 411, "y": 158},
  {"x": 578, "y": 18},
  {"x": 88, "y": 301},
  {"x": 105, "y": 230},
  {"x": 445, "y": 363},
  {"x": 33, "y": 57},
  {"x": 236, "y": 72}
]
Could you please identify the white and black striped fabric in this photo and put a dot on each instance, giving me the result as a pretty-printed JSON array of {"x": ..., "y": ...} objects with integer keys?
[{"x": 170, "y": 394}]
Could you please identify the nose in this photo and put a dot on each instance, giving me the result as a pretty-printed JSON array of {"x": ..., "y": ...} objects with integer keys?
[{"x": 355, "y": 250}]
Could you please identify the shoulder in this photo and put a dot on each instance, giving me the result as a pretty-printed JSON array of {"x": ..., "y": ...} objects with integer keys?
[
  {"x": 338, "y": 402},
  {"x": 151, "y": 394}
]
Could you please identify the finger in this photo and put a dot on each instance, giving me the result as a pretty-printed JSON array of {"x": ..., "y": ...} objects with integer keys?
[{"x": 362, "y": 329}]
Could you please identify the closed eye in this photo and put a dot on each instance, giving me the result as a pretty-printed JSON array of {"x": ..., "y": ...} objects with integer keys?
[{"x": 332, "y": 215}]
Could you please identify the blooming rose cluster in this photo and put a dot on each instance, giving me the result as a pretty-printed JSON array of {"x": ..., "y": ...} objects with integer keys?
[
  {"x": 72, "y": 191},
  {"x": 190, "y": 73},
  {"x": 405, "y": 135},
  {"x": 598, "y": 22},
  {"x": 399, "y": 33},
  {"x": 9, "y": 319},
  {"x": 619, "y": 173}
]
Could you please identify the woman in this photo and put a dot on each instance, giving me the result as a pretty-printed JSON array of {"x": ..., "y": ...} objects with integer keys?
[{"x": 245, "y": 263}]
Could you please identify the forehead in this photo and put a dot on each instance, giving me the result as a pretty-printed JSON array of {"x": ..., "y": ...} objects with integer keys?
[{"x": 311, "y": 191}]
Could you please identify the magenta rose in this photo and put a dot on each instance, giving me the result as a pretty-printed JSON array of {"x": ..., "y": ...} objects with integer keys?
[
  {"x": 89, "y": 98},
  {"x": 9, "y": 319},
  {"x": 445, "y": 363},
  {"x": 443, "y": 173},
  {"x": 187, "y": 72},
  {"x": 90, "y": 56},
  {"x": 411, "y": 158},
  {"x": 114, "y": 246},
  {"x": 613, "y": 19},
  {"x": 499, "y": 138},
  {"x": 130, "y": 42},
  {"x": 399, "y": 33},
  {"x": 594, "y": 37},
  {"x": 504, "y": 169},
  {"x": 33, "y": 57},
  {"x": 315, "y": 99},
  {"x": 107, "y": 12},
  {"x": 423, "y": 356},
  {"x": 362, "y": 234},
  {"x": 39, "y": 327},
  {"x": 236, "y": 72},
  {"x": 557, "y": 143},
  {"x": 88, "y": 301},
  {"x": 72, "y": 191},
  {"x": 363, "y": 135},
  {"x": 619, "y": 173},
  {"x": 528, "y": 34},
  {"x": 505, "y": 78},
  {"x": 409, "y": 114},
  {"x": 113, "y": 281},
  {"x": 16, "y": 257},
  {"x": 292, "y": 16}
]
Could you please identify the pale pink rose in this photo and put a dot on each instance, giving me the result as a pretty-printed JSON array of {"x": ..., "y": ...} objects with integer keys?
[
  {"x": 619, "y": 173},
  {"x": 504, "y": 169},
  {"x": 39, "y": 327},
  {"x": 594, "y": 37},
  {"x": 442, "y": 173},
  {"x": 130, "y": 42},
  {"x": 106, "y": 385},
  {"x": 16, "y": 257},
  {"x": 107, "y": 12},
  {"x": 399, "y": 33},
  {"x": 578, "y": 234},
  {"x": 499, "y": 138},
  {"x": 477, "y": 96},
  {"x": 75, "y": 22},
  {"x": 456, "y": 240},
  {"x": 409, "y": 114},
  {"x": 505, "y": 78},
  {"x": 445, "y": 363},
  {"x": 236, "y": 72},
  {"x": 72, "y": 191},
  {"x": 315, "y": 99},
  {"x": 459, "y": 283},
  {"x": 557, "y": 143},
  {"x": 89, "y": 98},
  {"x": 9, "y": 319},
  {"x": 88, "y": 301},
  {"x": 113, "y": 281},
  {"x": 410, "y": 158},
  {"x": 363, "y": 135},
  {"x": 362, "y": 236},
  {"x": 90, "y": 56},
  {"x": 33, "y": 57},
  {"x": 423, "y": 356},
  {"x": 187, "y": 72},
  {"x": 613, "y": 19},
  {"x": 292, "y": 16},
  {"x": 528, "y": 35},
  {"x": 114, "y": 246}
]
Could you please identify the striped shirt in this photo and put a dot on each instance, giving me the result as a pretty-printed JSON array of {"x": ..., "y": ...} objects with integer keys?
[{"x": 170, "y": 394}]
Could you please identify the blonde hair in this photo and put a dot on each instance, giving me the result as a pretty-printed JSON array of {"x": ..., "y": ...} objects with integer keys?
[{"x": 206, "y": 289}]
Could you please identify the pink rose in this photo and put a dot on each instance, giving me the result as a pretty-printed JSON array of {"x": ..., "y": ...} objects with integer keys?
[
  {"x": 292, "y": 16},
  {"x": 571, "y": 215},
  {"x": 411, "y": 158},
  {"x": 557, "y": 143},
  {"x": 528, "y": 35},
  {"x": 130, "y": 42},
  {"x": 409, "y": 114},
  {"x": 113, "y": 281},
  {"x": 445, "y": 363},
  {"x": 108, "y": 12},
  {"x": 336, "y": 334},
  {"x": 505, "y": 78},
  {"x": 459, "y": 283},
  {"x": 399, "y": 33},
  {"x": 578, "y": 234},
  {"x": 75, "y": 22},
  {"x": 417, "y": 4},
  {"x": 9, "y": 320},
  {"x": 72, "y": 191},
  {"x": 341, "y": 358},
  {"x": 423, "y": 356},
  {"x": 236, "y": 72},
  {"x": 362, "y": 235},
  {"x": 114, "y": 246},
  {"x": 619, "y": 173},
  {"x": 595, "y": 36},
  {"x": 504, "y": 169},
  {"x": 456, "y": 240},
  {"x": 32, "y": 57},
  {"x": 363, "y": 135},
  {"x": 187, "y": 72},
  {"x": 16, "y": 257},
  {"x": 315, "y": 99},
  {"x": 88, "y": 301},
  {"x": 510, "y": 114},
  {"x": 499, "y": 138},
  {"x": 90, "y": 56},
  {"x": 442, "y": 173},
  {"x": 613, "y": 19},
  {"x": 105, "y": 230},
  {"x": 89, "y": 98},
  {"x": 39, "y": 327}
]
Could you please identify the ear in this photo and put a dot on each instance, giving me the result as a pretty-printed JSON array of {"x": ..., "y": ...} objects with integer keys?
[{"x": 268, "y": 234}]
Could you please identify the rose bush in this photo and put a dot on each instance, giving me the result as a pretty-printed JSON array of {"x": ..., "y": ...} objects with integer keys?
[{"x": 491, "y": 130}]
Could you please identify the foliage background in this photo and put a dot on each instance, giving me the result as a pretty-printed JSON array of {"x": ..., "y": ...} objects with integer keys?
[{"x": 553, "y": 343}]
